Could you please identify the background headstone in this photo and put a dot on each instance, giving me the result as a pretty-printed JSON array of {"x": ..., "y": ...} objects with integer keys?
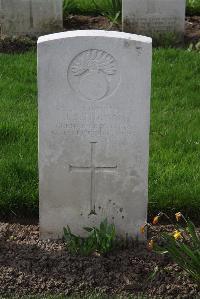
[
  {"x": 94, "y": 107},
  {"x": 30, "y": 17},
  {"x": 154, "y": 17}
]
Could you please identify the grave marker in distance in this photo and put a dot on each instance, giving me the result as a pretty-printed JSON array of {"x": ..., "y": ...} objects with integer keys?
[
  {"x": 155, "y": 18},
  {"x": 30, "y": 17}
]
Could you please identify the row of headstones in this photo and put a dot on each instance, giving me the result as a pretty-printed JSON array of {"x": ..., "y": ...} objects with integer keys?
[{"x": 38, "y": 17}]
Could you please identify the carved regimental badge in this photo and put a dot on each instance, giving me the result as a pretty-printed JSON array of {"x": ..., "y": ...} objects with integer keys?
[{"x": 93, "y": 74}]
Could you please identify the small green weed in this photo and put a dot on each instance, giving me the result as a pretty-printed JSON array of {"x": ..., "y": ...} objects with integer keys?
[{"x": 101, "y": 240}]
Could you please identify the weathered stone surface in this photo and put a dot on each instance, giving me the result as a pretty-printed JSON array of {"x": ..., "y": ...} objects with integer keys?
[
  {"x": 30, "y": 17},
  {"x": 154, "y": 17},
  {"x": 94, "y": 106}
]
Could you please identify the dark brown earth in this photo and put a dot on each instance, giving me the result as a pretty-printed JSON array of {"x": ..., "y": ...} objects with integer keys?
[
  {"x": 17, "y": 45},
  {"x": 192, "y": 29},
  {"x": 79, "y": 22},
  {"x": 29, "y": 266},
  {"x": 20, "y": 45}
]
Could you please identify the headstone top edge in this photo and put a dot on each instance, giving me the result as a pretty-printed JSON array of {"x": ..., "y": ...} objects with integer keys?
[{"x": 94, "y": 33}]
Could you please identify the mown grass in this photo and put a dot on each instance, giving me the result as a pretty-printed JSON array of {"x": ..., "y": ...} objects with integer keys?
[
  {"x": 18, "y": 134},
  {"x": 174, "y": 172}
]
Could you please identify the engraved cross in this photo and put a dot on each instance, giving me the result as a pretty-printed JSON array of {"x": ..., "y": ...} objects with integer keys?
[{"x": 92, "y": 169}]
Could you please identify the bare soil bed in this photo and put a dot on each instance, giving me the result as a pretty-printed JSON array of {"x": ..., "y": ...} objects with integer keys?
[
  {"x": 192, "y": 29},
  {"x": 79, "y": 22},
  {"x": 31, "y": 266}
]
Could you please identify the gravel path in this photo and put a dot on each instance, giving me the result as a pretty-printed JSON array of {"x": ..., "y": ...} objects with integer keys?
[{"x": 31, "y": 266}]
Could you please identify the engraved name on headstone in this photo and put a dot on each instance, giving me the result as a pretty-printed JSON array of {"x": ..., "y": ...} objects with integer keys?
[{"x": 94, "y": 106}]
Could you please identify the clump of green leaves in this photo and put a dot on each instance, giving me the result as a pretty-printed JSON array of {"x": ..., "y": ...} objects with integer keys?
[
  {"x": 100, "y": 240},
  {"x": 193, "y": 7},
  {"x": 69, "y": 6},
  {"x": 109, "y": 8},
  {"x": 183, "y": 246}
]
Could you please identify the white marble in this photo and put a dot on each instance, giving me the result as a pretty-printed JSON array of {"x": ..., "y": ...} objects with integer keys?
[
  {"x": 94, "y": 115},
  {"x": 30, "y": 17},
  {"x": 153, "y": 17}
]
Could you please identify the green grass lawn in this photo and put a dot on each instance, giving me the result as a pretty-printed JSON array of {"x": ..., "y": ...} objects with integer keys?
[
  {"x": 18, "y": 134},
  {"x": 174, "y": 175}
]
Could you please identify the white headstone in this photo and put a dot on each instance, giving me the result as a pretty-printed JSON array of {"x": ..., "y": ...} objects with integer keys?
[
  {"x": 154, "y": 17},
  {"x": 30, "y": 17},
  {"x": 94, "y": 106}
]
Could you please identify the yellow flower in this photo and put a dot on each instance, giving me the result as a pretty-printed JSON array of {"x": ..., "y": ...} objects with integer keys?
[
  {"x": 142, "y": 229},
  {"x": 155, "y": 220},
  {"x": 150, "y": 244},
  {"x": 178, "y": 216},
  {"x": 177, "y": 234}
]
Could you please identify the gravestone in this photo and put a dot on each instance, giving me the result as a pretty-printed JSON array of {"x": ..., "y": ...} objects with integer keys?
[
  {"x": 94, "y": 105},
  {"x": 154, "y": 17},
  {"x": 30, "y": 17}
]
